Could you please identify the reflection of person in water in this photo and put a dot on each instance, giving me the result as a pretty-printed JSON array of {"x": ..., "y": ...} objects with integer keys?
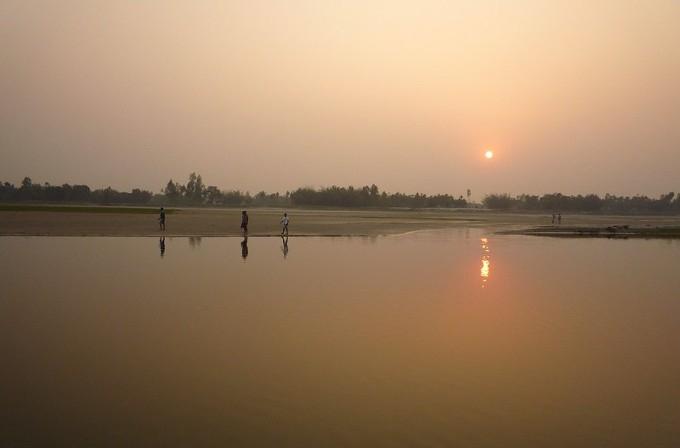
[
  {"x": 244, "y": 247},
  {"x": 161, "y": 243},
  {"x": 284, "y": 248}
]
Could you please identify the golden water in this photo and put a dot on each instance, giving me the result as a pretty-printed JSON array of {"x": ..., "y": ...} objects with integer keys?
[{"x": 451, "y": 338}]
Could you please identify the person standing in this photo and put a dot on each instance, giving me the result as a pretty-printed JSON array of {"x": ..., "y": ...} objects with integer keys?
[
  {"x": 553, "y": 219},
  {"x": 244, "y": 223},
  {"x": 559, "y": 219},
  {"x": 161, "y": 219},
  {"x": 284, "y": 224}
]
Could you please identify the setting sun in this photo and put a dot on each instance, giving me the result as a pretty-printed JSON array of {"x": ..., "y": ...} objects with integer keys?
[{"x": 488, "y": 154}]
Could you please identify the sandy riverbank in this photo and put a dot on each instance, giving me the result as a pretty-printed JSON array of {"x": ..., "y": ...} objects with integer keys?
[
  {"x": 265, "y": 222},
  {"x": 614, "y": 231}
]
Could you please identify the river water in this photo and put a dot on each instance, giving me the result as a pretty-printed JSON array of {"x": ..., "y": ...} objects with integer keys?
[{"x": 442, "y": 338}]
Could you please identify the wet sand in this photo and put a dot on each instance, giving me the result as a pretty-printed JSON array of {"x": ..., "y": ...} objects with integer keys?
[
  {"x": 613, "y": 231},
  {"x": 225, "y": 222},
  {"x": 265, "y": 222}
]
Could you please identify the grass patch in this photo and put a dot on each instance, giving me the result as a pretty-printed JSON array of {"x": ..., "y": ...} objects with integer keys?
[{"x": 80, "y": 209}]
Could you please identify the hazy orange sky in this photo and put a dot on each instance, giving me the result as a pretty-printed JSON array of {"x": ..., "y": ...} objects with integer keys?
[{"x": 572, "y": 96}]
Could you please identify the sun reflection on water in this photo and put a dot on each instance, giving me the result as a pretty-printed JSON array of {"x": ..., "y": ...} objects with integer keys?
[{"x": 486, "y": 262}]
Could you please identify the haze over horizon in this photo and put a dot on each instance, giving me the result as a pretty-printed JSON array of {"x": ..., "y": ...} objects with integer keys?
[{"x": 571, "y": 97}]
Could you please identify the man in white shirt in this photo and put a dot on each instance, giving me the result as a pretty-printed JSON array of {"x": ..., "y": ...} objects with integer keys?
[{"x": 284, "y": 223}]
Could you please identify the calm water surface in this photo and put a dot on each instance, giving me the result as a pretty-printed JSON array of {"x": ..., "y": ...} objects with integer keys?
[{"x": 449, "y": 338}]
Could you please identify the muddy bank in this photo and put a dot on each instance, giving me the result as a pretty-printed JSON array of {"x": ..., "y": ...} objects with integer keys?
[{"x": 613, "y": 231}]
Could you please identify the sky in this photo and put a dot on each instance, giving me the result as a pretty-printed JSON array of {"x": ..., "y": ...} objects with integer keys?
[{"x": 572, "y": 96}]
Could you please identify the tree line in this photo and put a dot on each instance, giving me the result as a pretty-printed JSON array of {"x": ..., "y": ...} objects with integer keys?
[
  {"x": 195, "y": 192},
  {"x": 371, "y": 197},
  {"x": 556, "y": 202},
  {"x": 36, "y": 192}
]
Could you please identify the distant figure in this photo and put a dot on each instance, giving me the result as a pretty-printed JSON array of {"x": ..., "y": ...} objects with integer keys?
[
  {"x": 559, "y": 219},
  {"x": 553, "y": 219},
  {"x": 284, "y": 224},
  {"x": 244, "y": 223},
  {"x": 284, "y": 249},
  {"x": 161, "y": 219},
  {"x": 244, "y": 248},
  {"x": 161, "y": 243}
]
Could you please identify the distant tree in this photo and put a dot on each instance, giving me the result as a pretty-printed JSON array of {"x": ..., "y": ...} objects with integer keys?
[
  {"x": 664, "y": 202},
  {"x": 213, "y": 195},
  {"x": 172, "y": 191},
  {"x": 194, "y": 190},
  {"x": 80, "y": 193},
  {"x": 499, "y": 201},
  {"x": 7, "y": 191},
  {"x": 138, "y": 196}
]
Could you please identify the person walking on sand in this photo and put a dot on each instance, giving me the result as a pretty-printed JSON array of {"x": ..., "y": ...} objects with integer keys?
[
  {"x": 161, "y": 219},
  {"x": 284, "y": 224},
  {"x": 244, "y": 223}
]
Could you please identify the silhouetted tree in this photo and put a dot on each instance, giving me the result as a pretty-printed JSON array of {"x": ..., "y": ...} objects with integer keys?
[
  {"x": 194, "y": 190},
  {"x": 172, "y": 191}
]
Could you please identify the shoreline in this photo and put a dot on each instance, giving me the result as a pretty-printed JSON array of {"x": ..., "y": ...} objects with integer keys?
[
  {"x": 189, "y": 235},
  {"x": 621, "y": 232},
  {"x": 323, "y": 223}
]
